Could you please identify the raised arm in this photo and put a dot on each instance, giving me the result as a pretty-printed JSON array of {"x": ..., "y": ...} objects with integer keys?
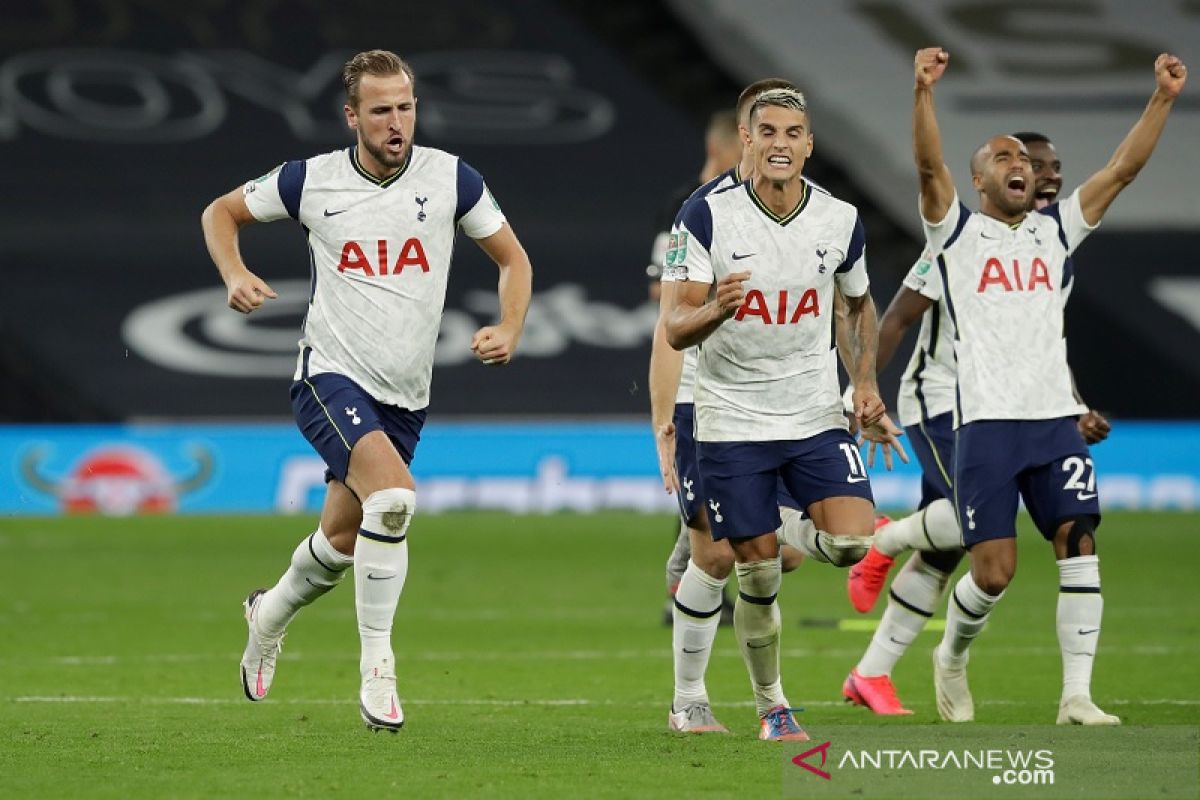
[
  {"x": 221, "y": 221},
  {"x": 1098, "y": 192},
  {"x": 497, "y": 344},
  {"x": 937, "y": 184},
  {"x": 902, "y": 313}
]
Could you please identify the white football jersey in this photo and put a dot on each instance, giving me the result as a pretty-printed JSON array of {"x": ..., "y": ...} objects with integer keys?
[
  {"x": 927, "y": 387},
  {"x": 379, "y": 255},
  {"x": 770, "y": 372},
  {"x": 1004, "y": 293},
  {"x": 687, "y": 376}
]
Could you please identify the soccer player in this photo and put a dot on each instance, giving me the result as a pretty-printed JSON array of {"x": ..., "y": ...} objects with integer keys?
[
  {"x": 1002, "y": 271},
  {"x": 925, "y": 407},
  {"x": 702, "y": 569},
  {"x": 723, "y": 150},
  {"x": 767, "y": 402},
  {"x": 381, "y": 218}
]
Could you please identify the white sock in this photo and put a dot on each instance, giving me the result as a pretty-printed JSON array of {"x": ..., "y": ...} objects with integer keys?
[
  {"x": 914, "y": 595},
  {"x": 380, "y": 567},
  {"x": 934, "y": 527},
  {"x": 799, "y": 531},
  {"x": 315, "y": 569},
  {"x": 1080, "y": 607},
  {"x": 966, "y": 615},
  {"x": 697, "y": 614},
  {"x": 756, "y": 626}
]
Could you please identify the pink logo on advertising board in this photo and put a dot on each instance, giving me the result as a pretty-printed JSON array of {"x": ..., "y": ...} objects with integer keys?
[{"x": 116, "y": 480}]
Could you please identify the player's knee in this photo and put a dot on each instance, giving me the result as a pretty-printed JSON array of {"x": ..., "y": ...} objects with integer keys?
[
  {"x": 1081, "y": 536},
  {"x": 394, "y": 508},
  {"x": 716, "y": 563},
  {"x": 994, "y": 575}
]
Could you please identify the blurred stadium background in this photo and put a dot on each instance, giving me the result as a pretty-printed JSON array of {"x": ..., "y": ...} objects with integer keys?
[
  {"x": 121, "y": 120},
  {"x": 127, "y": 386}
]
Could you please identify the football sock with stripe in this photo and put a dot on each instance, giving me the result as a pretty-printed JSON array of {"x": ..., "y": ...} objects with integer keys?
[
  {"x": 696, "y": 615},
  {"x": 966, "y": 614},
  {"x": 380, "y": 567},
  {"x": 934, "y": 527},
  {"x": 756, "y": 625},
  {"x": 912, "y": 600},
  {"x": 1080, "y": 607},
  {"x": 315, "y": 569},
  {"x": 799, "y": 532}
]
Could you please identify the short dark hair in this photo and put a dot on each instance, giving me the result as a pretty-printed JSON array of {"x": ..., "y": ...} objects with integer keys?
[
  {"x": 373, "y": 62},
  {"x": 751, "y": 93},
  {"x": 722, "y": 125},
  {"x": 1030, "y": 137}
]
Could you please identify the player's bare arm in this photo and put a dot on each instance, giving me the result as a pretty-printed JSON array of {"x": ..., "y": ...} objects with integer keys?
[
  {"x": 1095, "y": 195},
  {"x": 937, "y": 184},
  {"x": 1092, "y": 425},
  {"x": 902, "y": 313},
  {"x": 694, "y": 317},
  {"x": 221, "y": 221},
  {"x": 497, "y": 344},
  {"x": 666, "y": 367},
  {"x": 862, "y": 337}
]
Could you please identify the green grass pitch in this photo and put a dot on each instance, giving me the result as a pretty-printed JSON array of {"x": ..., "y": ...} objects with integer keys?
[{"x": 532, "y": 660}]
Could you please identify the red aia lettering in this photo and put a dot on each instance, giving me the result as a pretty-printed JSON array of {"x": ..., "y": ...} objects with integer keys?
[
  {"x": 994, "y": 274},
  {"x": 412, "y": 254},
  {"x": 755, "y": 305}
]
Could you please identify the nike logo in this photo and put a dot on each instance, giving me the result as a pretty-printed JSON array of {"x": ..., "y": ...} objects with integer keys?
[
  {"x": 852, "y": 479},
  {"x": 329, "y": 213},
  {"x": 985, "y": 236},
  {"x": 693, "y": 652},
  {"x": 373, "y": 577},
  {"x": 1082, "y": 632},
  {"x": 740, "y": 256},
  {"x": 758, "y": 646},
  {"x": 1082, "y": 496},
  {"x": 897, "y": 641},
  {"x": 393, "y": 713}
]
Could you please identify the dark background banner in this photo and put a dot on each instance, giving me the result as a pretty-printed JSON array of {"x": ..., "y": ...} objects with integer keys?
[{"x": 121, "y": 121}]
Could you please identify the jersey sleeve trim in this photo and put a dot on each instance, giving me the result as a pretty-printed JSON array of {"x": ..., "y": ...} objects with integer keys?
[
  {"x": 470, "y": 189},
  {"x": 1054, "y": 212},
  {"x": 697, "y": 218},
  {"x": 291, "y": 186},
  {"x": 964, "y": 214},
  {"x": 858, "y": 243}
]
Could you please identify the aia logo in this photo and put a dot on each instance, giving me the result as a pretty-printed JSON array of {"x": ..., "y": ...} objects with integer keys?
[
  {"x": 412, "y": 254},
  {"x": 823, "y": 749},
  {"x": 1018, "y": 278},
  {"x": 757, "y": 305}
]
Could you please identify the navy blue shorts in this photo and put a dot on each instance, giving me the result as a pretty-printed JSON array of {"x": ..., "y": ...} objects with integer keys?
[
  {"x": 932, "y": 441},
  {"x": 691, "y": 491},
  {"x": 1046, "y": 462},
  {"x": 741, "y": 479},
  {"x": 333, "y": 412}
]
